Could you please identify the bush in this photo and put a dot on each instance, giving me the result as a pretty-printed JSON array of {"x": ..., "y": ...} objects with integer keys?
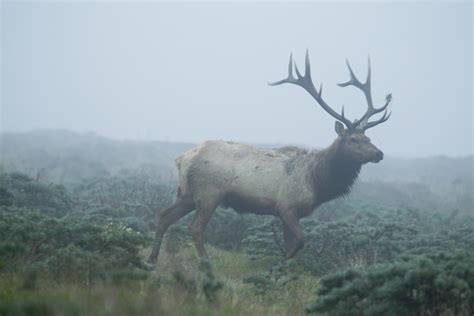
[
  {"x": 134, "y": 199},
  {"x": 437, "y": 284},
  {"x": 77, "y": 248},
  {"x": 27, "y": 192},
  {"x": 6, "y": 198}
]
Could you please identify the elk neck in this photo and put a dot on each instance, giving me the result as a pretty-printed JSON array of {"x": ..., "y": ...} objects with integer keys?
[{"x": 332, "y": 174}]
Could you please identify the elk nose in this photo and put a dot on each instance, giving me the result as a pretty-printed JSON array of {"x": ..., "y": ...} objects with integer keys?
[{"x": 378, "y": 156}]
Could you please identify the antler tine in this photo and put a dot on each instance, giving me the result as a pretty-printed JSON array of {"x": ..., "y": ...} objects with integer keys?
[
  {"x": 365, "y": 87},
  {"x": 353, "y": 80},
  {"x": 290, "y": 78},
  {"x": 306, "y": 83},
  {"x": 384, "y": 118},
  {"x": 307, "y": 66},
  {"x": 369, "y": 72},
  {"x": 363, "y": 123}
]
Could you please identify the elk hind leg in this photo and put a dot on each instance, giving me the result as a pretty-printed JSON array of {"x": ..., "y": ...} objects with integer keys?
[
  {"x": 293, "y": 238},
  {"x": 165, "y": 219}
]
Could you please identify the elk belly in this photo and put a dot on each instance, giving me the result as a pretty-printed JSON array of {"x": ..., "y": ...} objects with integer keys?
[{"x": 249, "y": 204}]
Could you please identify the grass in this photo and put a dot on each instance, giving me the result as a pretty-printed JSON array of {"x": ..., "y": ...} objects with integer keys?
[{"x": 164, "y": 293}]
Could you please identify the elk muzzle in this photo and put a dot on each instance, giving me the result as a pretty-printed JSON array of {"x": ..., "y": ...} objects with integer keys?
[{"x": 378, "y": 156}]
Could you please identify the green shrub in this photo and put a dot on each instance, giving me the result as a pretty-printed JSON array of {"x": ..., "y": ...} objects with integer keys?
[
  {"x": 437, "y": 284},
  {"x": 76, "y": 248},
  {"x": 24, "y": 191}
]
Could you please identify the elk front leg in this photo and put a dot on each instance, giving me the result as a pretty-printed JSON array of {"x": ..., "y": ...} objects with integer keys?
[
  {"x": 203, "y": 214},
  {"x": 288, "y": 239},
  {"x": 293, "y": 238}
]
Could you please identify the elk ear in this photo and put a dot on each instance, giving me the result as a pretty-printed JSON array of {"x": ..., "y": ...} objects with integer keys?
[{"x": 339, "y": 128}]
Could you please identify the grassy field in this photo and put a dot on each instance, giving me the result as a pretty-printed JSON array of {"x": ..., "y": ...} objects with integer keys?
[{"x": 174, "y": 287}]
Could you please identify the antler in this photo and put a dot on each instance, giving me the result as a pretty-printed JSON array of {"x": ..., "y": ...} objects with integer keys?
[
  {"x": 307, "y": 83},
  {"x": 364, "y": 123}
]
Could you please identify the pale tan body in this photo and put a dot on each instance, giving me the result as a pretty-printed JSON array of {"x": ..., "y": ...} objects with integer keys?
[
  {"x": 228, "y": 173},
  {"x": 244, "y": 178}
]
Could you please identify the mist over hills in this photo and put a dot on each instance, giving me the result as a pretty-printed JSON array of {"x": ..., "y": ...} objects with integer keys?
[{"x": 62, "y": 156}]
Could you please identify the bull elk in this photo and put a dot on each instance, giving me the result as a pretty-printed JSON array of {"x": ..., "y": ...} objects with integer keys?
[{"x": 288, "y": 182}]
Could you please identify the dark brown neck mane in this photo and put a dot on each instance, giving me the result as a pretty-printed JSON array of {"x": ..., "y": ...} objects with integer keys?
[{"x": 332, "y": 174}]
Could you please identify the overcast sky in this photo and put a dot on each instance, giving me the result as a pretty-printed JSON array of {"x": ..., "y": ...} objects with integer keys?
[{"x": 197, "y": 71}]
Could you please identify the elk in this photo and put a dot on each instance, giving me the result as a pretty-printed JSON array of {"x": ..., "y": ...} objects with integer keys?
[{"x": 288, "y": 183}]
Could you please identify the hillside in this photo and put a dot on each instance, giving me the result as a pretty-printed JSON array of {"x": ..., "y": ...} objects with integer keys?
[{"x": 62, "y": 156}]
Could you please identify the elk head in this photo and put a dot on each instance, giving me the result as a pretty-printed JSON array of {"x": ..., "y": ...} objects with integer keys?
[{"x": 352, "y": 144}]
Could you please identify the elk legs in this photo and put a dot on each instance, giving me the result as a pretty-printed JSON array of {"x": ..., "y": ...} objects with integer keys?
[
  {"x": 293, "y": 239},
  {"x": 288, "y": 239},
  {"x": 203, "y": 214},
  {"x": 164, "y": 219}
]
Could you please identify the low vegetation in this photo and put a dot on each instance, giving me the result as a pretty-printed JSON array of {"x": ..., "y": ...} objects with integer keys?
[{"x": 79, "y": 249}]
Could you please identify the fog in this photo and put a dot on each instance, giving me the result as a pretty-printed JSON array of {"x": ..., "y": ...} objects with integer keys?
[{"x": 188, "y": 72}]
